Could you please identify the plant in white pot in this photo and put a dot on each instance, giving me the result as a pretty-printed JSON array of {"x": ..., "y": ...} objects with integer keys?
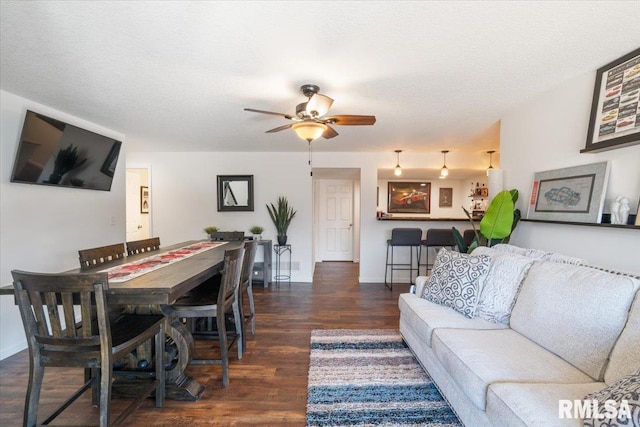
[
  {"x": 281, "y": 215},
  {"x": 256, "y": 230},
  {"x": 210, "y": 229}
]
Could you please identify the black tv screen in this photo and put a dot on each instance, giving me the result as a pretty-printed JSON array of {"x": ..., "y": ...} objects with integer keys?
[{"x": 52, "y": 152}]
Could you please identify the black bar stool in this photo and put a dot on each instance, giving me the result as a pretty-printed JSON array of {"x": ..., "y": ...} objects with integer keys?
[
  {"x": 408, "y": 237},
  {"x": 438, "y": 238}
]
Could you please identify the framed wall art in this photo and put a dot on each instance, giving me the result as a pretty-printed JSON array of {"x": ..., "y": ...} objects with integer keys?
[
  {"x": 574, "y": 194},
  {"x": 409, "y": 197},
  {"x": 445, "y": 199},
  {"x": 144, "y": 199},
  {"x": 235, "y": 193},
  {"x": 615, "y": 109}
]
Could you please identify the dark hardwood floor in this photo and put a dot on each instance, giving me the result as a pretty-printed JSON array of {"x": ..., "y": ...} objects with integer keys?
[{"x": 268, "y": 387}]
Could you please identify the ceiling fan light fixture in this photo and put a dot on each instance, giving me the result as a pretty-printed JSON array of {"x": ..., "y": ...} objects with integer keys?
[
  {"x": 309, "y": 130},
  {"x": 318, "y": 105},
  {"x": 444, "y": 172},
  {"x": 397, "y": 171}
]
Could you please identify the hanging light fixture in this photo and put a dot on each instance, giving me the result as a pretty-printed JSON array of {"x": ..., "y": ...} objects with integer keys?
[
  {"x": 309, "y": 130},
  {"x": 490, "y": 153},
  {"x": 397, "y": 171},
  {"x": 444, "y": 172}
]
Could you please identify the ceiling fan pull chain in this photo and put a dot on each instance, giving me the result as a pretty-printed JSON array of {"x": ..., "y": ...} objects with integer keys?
[{"x": 310, "y": 168}]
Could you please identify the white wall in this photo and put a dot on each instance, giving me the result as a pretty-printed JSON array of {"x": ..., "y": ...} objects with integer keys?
[
  {"x": 44, "y": 227},
  {"x": 548, "y": 133}
]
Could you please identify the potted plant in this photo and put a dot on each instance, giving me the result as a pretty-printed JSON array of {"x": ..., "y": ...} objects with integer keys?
[
  {"x": 281, "y": 215},
  {"x": 496, "y": 225},
  {"x": 256, "y": 230},
  {"x": 210, "y": 229}
]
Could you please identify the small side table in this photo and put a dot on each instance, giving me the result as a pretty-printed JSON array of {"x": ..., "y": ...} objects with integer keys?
[{"x": 282, "y": 250}]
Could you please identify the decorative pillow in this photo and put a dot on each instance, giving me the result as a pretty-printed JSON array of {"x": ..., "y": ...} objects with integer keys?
[
  {"x": 501, "y": 285},
  {"x": 627, "y": 389},
  {"x": 456, "y": 279},
  {"x": 539, "y": 255}
]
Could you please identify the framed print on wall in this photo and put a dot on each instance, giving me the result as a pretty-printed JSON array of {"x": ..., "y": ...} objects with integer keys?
[
  {"x": 409, "y": 197},
  {"x": 235, "y": 193},
  {"x": 445, "y": 199},
  {"x": 615, "y": 109},
  {"x": 144, "y": 199},
  {"x": 574, "y": 194}
]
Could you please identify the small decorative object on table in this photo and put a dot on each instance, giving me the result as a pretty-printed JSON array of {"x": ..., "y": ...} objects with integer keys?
[
  {"x": 210, "y": 229},
  {"x": 256, "y": 230}
]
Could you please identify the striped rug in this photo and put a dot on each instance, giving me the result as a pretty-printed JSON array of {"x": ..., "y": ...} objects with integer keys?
[{"x": 370, "y": 378}]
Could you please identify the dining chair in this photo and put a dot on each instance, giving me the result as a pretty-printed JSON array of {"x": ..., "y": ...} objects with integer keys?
[
  {"x": 199, "y": 305},
  {"x": 67, "y": 324},
  {"x": 94, "y": 257},
  {"x": 246, "y": 285},
  {"x": 144, "y": 245}
]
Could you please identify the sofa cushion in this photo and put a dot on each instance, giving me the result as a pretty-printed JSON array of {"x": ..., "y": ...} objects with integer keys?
[
  {"x": 539, "y": 255},
  {"x": 424, "y": 316},
  {"x": 526, "y": 404},
  {"x": 455, "y": 280},
  {"x": 625, "y": 356},
  {"x": 477, "y": 358},
  {"x": 501, "y": 285},
  {"x": 575, "y": 312},
  {"x": 626, "y": 388}
]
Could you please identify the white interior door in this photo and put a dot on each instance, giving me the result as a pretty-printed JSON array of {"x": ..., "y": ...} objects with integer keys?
[
  {"x": 335, "y": 226},
  {"x": 134, "y": 225}
]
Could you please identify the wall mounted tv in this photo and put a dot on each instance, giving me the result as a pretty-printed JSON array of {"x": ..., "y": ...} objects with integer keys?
[{"x": 52, "y": 152}]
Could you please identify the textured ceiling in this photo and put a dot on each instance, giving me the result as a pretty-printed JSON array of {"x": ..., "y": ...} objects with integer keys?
[{"x": 175, "y": 76}]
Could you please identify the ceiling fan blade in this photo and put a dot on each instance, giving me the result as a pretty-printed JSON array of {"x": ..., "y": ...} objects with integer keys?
[
  {"x": 286, "y": 116},
  {"x": 329, "y": 133},
  {"x": 350, "y": 120},
  {"x": 318, "y": 105},
  {"x": 279, "y": 128}
]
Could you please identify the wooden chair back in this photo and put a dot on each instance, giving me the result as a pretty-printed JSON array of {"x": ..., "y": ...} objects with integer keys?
[
  {"x": 230, "y": 280},
  {"x": 250, "y": 249},
  {"x": 53, "y": 328},
  {"x": 141, "y": 246},
  {"x": 228, "y": 236},
  {"x": 94, "y": 257}
]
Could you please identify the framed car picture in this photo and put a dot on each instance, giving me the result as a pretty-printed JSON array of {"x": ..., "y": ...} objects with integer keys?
[
  {"x": 615, "y": 109},
  {"x": 409, "y": 197}
]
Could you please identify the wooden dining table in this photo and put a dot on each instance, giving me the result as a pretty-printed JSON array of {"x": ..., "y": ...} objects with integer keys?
[{"x": 160, "y": 287}]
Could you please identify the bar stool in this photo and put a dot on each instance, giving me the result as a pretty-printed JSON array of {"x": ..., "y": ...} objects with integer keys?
[
  {"x": 437, "y": 238},
  {"x": 407, "y": 237}
]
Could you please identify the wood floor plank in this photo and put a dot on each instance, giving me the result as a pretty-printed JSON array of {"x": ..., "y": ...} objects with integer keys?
[{"x": 268, "y": 387}]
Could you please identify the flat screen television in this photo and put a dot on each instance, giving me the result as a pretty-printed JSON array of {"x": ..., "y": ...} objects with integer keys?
[{"x": 52, "y": 152}]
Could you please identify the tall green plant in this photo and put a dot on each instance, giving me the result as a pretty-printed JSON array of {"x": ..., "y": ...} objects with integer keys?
[
  {"x": 496, "y": 225},
  {"x": 281, "y": 215}
]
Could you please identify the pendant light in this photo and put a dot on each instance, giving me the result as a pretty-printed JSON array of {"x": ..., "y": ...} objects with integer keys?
[
  {"x": 397, "y": 171},
  {"x": 490, "y": 153},
  {"x": 444, "y": 172}
]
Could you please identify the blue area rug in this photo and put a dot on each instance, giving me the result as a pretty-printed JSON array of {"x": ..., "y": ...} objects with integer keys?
[{"x": 370, "y": 378}]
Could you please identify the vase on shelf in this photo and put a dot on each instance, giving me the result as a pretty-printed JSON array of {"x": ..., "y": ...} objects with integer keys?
[{"x": 282, "y": 240}]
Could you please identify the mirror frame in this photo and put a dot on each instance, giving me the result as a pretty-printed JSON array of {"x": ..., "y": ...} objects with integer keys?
[{"x": 239, "y": 178}]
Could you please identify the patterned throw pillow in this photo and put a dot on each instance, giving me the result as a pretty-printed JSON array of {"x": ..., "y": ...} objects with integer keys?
[
  {"x": 627, "y": 389},
  {"x": 456, "y": 279}
]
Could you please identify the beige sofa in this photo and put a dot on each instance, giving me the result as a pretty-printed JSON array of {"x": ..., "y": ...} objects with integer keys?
[{"x": 569, "y": 330}]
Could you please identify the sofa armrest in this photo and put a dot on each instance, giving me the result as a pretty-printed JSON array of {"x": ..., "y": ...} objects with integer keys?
[{"x": 418, "y": 288}]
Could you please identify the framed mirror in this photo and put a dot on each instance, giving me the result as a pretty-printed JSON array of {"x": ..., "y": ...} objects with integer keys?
[{"x": 235, "y": 193}]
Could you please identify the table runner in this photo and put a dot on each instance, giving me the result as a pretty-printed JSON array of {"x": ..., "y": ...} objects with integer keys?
[{"x": 131, "y": 270}]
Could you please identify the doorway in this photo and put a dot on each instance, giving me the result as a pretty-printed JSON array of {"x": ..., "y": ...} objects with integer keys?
[
  {"x": 138, "y": 204},
  {"x": 336, "y": 214}
]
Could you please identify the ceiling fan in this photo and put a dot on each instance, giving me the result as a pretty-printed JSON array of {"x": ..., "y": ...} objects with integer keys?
[{"x": 310, "y": 121}]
